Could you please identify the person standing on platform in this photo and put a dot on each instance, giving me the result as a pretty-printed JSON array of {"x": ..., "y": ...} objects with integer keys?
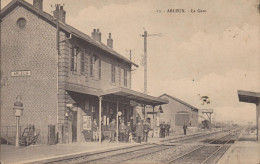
[
  {"x": 95, "y": 130},
  {"x": 122, "y": 131},
  {"x": 167, "y": 129},
  {"x": 185, "y": 128},
  {"x": 139, "y": 132},
  {"x": 162, "y": 129},
  {"x": 146, "y": 128},
  {"x": 112, "y": 129},
  {"x": 128, "y": 132}
]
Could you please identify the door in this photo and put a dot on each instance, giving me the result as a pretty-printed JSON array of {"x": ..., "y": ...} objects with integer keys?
[
  {"x": 74, "y": 126},
  {"x": 181, "y": 118}
]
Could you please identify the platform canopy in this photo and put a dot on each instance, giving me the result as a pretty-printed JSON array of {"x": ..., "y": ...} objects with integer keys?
[
  {"x": 134, "y": 95},
  {"x": 249, "y": 97},
  {"x": 252, "y": 97}
]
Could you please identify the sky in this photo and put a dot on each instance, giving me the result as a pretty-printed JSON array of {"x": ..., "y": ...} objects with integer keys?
[{"x": 213, "y": 53}]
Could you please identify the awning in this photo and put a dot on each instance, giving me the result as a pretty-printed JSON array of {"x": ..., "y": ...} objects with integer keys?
[
  {"x": 136, "y": 96},
  {"x": 81, "y": 89},
  {"x": 123, "y": 92},
  {"x": 249, "y": 97}
]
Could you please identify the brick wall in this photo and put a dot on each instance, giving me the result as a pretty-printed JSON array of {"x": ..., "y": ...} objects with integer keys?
[
  {"x": 63, "y": 69},
  {"x": 31, "y": 48}
]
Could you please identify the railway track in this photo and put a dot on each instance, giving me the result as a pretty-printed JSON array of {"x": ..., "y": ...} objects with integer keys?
[
  {"x": 130, "y": 155},
  {"x": 84, "y": 158},
  {"x": 116, "y": 156},
  {"x": 192, "y": 137},
  {"x": 126, "y": 154},
  {"x": 208, "y": 153}
]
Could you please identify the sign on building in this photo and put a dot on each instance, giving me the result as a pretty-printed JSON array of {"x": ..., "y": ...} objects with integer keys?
[
  {"x": 20, "y": 73},
  {"x": 86, "y": 122}
]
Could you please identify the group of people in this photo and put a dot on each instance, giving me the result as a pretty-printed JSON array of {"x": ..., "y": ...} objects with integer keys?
[
  {"x": 142, "y": 131},
  {"x": 126, "y": 132},
  {"x": 95, "y": 132},
  {"x": 165, "y": 129}
]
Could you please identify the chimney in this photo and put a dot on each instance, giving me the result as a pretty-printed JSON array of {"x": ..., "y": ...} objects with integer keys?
[
  {"x": 59, "y": 13},
  {"x": 96, "y": 35},
  {"x": 38, "y": 4},
  {"x": 110, "y": 41}
]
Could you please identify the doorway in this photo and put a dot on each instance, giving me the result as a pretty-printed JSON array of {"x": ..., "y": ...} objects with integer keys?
[
  {"x": 181, "y": 118},
  {"x": 74, "y": 126}
]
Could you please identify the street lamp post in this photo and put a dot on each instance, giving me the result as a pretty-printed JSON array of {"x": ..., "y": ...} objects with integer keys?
[
  {"x": 18, "y": 112},
  {"x": 119, "y": 113}
]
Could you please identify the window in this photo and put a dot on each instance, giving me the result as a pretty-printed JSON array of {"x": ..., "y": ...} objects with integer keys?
[
  {"x": 82, "y": 63},
  {"x": 74, "y": 58},
  {"x": 21, "y": 22},
  {"x": 113, "y": 73},
  {"x": 95, "y": 66},
  {"x": 125, "y": 77}
]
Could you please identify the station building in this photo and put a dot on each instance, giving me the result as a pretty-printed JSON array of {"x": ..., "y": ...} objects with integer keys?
[
  {"x": 177, "y": 113},
  {"x": 65, "y": 78}
]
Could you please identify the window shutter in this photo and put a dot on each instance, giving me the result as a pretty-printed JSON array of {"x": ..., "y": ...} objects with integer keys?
[
  {"x": 91, "y": 64},
  {"x": 99, "y": 68},
  {"x": 72, "y": 59}
]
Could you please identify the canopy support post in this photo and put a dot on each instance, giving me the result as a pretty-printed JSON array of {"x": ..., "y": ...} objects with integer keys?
[
  {"x": 117, "y": 106},
  {"x": 100, "y": 117}
]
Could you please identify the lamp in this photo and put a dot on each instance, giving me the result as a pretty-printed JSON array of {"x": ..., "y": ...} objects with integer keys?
[
  {"x": 69, "y": 105},
  {"x": 18, "y": 112},
  {"x": 75, "y": 109},
  {"x": 18, "y": 107},
  {"x": 160, "y": 109}
]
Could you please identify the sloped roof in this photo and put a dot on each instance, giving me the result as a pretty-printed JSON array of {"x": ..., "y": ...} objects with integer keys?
[
  {"x": 248, "y": 96},
  {"x": 65, "y": 27},
  {"x": 176, "y": 99},
  {"x": 134, "y": 95}
]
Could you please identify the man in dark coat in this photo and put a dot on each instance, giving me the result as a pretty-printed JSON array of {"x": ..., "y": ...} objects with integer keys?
[
  {"x": 122, "y": 131},
  {"x": 95, "y": 130},
  {"x": 128, "y": 132},
  {"x": 167, "y": 129},
  {"x": 146, "y": 128},
  {"x": 112, "y": 129},
  {"x": 185, "y": 128},
  {"x": 139, "y": 131},
  {"x": 162, "y": 130}
]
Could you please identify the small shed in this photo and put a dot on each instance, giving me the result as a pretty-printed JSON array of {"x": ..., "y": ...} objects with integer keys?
[{"x": 178, "y": 113}]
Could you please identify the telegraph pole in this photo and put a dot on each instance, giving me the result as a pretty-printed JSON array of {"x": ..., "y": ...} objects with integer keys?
[
  {"x": 145, "y": 61},
  {"x": 145, "y": 35},
  {"x": 0, "y": 47},
  {"x": 130, "y": 55}
]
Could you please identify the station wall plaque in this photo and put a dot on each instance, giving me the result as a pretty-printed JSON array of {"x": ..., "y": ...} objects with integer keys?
[{"x": 21, "y": 73}]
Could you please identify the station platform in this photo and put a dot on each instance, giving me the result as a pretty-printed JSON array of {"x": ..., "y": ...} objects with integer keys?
[
  {"x": 41, "y": 153},
  {"x": 244, "y": 151}
]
